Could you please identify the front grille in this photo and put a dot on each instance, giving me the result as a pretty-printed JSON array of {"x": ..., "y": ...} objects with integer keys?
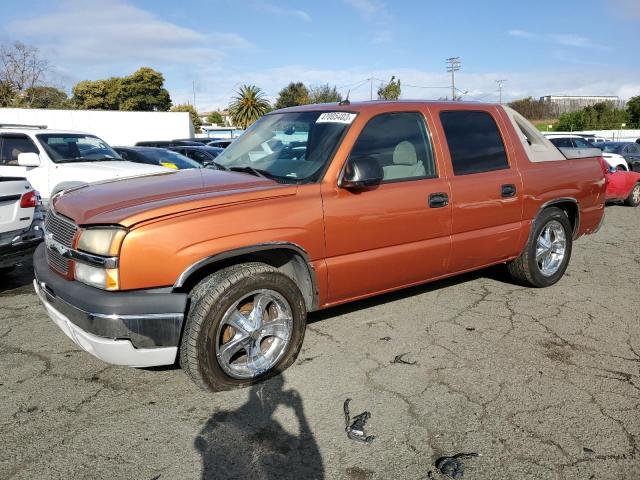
[{"x": 62, "y": 231}]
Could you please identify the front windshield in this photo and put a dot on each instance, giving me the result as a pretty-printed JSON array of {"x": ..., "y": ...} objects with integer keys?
[
  {"x": 76, "y": 147},
  {"x": 288, "y": 147},
  {"x": 169, "y": 159}
]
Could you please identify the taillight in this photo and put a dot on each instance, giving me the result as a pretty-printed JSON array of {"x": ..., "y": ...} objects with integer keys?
[
  {"x": 604, "y": 165},
  {"x": 28, "y": 200}
]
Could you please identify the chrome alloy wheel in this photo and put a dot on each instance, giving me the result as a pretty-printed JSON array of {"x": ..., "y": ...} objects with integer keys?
[
  {"x": 253, "y": 334},
  {"x": 551, "y": 248},
  {"x": 635, "y": 194}
]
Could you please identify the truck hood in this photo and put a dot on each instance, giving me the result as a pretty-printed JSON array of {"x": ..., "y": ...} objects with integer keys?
[{"x": 134, "y": 200}]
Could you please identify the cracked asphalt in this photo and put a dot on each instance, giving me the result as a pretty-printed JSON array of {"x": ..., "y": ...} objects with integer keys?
[{"x": 543, "y": 383}]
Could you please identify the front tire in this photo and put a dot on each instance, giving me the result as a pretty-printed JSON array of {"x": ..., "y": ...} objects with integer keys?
[
  {"x": 246, "y": 323},
  {"x": 633, "y": 200},
  {"x": 546, "y": 255}
]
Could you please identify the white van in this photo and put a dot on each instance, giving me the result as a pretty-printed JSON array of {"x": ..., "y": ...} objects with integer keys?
[{"x": 54, "y": 160}]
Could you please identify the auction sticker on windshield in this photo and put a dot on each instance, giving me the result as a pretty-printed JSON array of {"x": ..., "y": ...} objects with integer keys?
[{"x": 336, "y": 117}]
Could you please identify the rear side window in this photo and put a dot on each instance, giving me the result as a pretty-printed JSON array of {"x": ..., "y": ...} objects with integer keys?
[
  {"x": 562, "y": 142},
  {"x": 474, "y": 142},
  {"x": 12, "y": 146},
  {"x": 580, "y": 143}
]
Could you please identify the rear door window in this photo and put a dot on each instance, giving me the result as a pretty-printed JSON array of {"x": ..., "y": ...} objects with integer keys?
[{"x": 474, "y": 141}]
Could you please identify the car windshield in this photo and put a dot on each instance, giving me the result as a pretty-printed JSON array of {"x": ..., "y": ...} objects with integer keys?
[
  {"x": 169, "y": 159},
  {"x": 609, "y": 147},
  {"x": 288, "y": 147},
  {"x": 76, "y": 147}
]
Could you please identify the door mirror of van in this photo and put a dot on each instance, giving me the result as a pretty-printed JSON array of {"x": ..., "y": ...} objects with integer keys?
[
  {"x": 28, "y": 159},
  {"x": 361, "y": 173}
]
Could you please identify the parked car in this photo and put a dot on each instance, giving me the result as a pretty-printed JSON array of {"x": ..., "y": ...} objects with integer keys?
[
  {"x": 629, "y": 150},
  {"x": 20, "y": 222},
  {"x": 591, "y": 138},
  {"x": 357, "y": 200},
  {"x": 167, "y": 143},
  {"x": 202, "y": 154},
  {"x": 622, "y": 186},
  {"x": 55, "y": 160},
  {"x": 574, "y": 146},
  {"x": 156, "y": 156}
]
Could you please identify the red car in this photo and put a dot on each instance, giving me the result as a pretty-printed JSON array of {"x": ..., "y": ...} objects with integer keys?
[{"x": 622, "y": 186}]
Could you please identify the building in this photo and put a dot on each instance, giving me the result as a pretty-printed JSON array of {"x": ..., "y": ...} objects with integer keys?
[{"x": 571, "y": 103}]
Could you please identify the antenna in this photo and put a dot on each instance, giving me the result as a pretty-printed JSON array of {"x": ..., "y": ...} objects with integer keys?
[{"x": 346, "y": 100}]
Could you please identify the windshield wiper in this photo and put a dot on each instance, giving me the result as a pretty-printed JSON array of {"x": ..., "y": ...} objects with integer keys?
[
  {"x": 87, "y": 159},
  {"x": 253, "y": 171}
]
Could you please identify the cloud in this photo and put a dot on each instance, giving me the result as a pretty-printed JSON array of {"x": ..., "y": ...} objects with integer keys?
[
  {"x": 375, "y": 13},
  {"x": 280, "y": 11},
  {"x": 564, "y": 39},
  {"x": 112, "y": 32},
  {"x": 521, "y": 34}
]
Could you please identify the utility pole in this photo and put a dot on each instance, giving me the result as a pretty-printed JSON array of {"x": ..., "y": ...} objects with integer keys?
[
  {"x": 500, "y": 83},
  {"x": 453, "y": 65},
  {"x": 193, "y": 84}
]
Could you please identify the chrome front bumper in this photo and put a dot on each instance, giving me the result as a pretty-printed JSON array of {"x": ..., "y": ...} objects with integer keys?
[{"x": 114, "y": 351}]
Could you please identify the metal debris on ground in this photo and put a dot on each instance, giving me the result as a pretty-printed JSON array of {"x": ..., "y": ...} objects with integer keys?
[
  {"x": 355, "y": 426},
  {"x": 400, "y": 359},
  {"x": 386, "y": 339},
  {"x": 453, "y": 466},
  {"x": 470, "y": 329}
]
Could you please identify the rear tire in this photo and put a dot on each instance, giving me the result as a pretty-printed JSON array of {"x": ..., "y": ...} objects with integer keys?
[
  {"x": 621, "y": 168},
  {"x": 546, "y": 255},
  {"x": 633, "y": 200},
  {"x": 224, "y": 346}
]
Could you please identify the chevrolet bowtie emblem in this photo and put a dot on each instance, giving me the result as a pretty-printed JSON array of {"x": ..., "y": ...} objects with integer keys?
[{"x": 55, "y": 245}]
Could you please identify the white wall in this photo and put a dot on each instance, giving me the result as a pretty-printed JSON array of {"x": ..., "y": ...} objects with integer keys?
[
  {"x": 622, "y": 135},
  {"x": 115, "y": 127}
]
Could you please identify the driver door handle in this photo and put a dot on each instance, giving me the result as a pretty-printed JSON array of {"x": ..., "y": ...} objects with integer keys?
[{"x": 508, "y": 190}]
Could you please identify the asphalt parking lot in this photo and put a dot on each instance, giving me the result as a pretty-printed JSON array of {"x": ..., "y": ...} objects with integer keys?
[{"x": 542, "y": 383}]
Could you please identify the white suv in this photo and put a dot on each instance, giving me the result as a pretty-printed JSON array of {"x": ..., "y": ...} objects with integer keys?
[{"x": 54, "y": 160}]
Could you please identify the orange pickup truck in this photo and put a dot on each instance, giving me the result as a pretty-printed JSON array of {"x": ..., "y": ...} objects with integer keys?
[{"x": 312, "y": 207}]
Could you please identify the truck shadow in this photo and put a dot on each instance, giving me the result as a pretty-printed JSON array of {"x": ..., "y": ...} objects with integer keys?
[
  {"x": 250, "y": 443},
  {"x": 496, "y": 272}
]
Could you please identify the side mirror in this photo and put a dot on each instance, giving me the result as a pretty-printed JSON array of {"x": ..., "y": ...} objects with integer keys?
[
  {"x": 361, "y": 173},
  {"x": 28, "y": 159}
]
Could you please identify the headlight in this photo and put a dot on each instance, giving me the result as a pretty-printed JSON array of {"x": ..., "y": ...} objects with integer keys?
[
  {"x": 104, "y": 278},
  {"x": 105, "y": 241}
]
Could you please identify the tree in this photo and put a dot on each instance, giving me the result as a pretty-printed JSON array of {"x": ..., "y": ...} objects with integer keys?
[
  {"x": 599, "y": 116},
  {"x": 247, "y": 106},
  {"x": 324, "y": 94},
  {"x": 97, "y": 94},
  {"x": 7, "y": 94},
  {"x": 296, "y": 93},
  {"x": 633, "y": 109},
  {"x": 44, "y": 97},
  {"x": 21, "y": 66},
  {"x": 390, "y": 91},
  {"x": 195, "y": 118},
  {"x": 534, "y": 109},
  {"x": 216, "y": 118},
  {"x": 144, "y": 90}
]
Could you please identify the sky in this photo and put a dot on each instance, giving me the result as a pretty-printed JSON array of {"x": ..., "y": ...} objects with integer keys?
[{"x": 539, "y": 47}]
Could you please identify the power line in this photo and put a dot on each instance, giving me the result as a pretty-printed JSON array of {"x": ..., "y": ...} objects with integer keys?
[{"x": 453, "y": 65}]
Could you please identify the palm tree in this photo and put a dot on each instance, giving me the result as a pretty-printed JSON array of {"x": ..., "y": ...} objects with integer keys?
[{"x": 248, "y": 106}]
